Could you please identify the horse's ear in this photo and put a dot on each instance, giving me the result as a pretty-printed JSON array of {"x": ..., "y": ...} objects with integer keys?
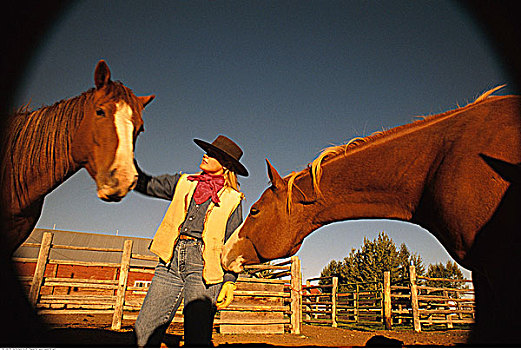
[
  {"x": 101, "y": 74},
  {"x": 146, "y": 100},
  {"x": 274, "y": 176}
]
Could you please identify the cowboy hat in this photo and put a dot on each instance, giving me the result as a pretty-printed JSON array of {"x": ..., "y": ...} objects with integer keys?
[{"x": 226, "y": 151}]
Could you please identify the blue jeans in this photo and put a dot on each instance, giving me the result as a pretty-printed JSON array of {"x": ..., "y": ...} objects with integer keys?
[{"x": 183, "y": 277}]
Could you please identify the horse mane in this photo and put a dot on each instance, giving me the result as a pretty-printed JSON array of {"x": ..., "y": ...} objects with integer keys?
[
  {"x": 41, "y": 140},
  {"x": 331, "y": 153}
]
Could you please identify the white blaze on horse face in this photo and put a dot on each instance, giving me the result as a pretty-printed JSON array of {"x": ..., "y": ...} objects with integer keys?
[
  {"x": 122, "y": 169},
  {"x": 124, "y": 160}
]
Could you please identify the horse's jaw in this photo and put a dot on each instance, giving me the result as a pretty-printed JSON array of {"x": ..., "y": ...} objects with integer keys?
[{"x": 237, "y": 252}]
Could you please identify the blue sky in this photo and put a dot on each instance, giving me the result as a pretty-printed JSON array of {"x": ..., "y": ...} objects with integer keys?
[{"x": 284, "y": 79}]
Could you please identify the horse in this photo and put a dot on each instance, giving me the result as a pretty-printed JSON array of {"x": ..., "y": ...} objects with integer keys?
[
  {"x": 96, "y": 130},
  {"x": 456, "y": 174}
]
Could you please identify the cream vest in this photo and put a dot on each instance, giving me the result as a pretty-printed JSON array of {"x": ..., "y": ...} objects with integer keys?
[{"x": 213, "y": 231}]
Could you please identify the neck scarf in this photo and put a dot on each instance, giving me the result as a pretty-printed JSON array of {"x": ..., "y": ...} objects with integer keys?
[{"x": 207, "y": 187}]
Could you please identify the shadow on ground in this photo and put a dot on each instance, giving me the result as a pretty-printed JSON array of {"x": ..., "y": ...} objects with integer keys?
[{"x": 89, "y": 337}]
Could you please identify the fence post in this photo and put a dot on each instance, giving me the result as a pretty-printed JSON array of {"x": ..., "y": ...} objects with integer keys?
[
  {"x": 388, "y": 321},
  {"x": 308, "y": 299},
  {"x": 122, "y": 285},
  {"x": 296, "y": 296},
  {"x": 448, "y": 316},
  {"x": 414, "y": 299},
  {"x": 458, "y": 306},
  {"x": 41, "y": 264},
  {"x": 356, "y": 298},
  {"x": 334, "y": 292},
  {"x": 317, "y": 299}
]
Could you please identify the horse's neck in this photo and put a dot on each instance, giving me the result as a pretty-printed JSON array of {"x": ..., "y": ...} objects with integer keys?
[
  {"x": 383, "y": 178},
  {"x": 40, "y": 153}
]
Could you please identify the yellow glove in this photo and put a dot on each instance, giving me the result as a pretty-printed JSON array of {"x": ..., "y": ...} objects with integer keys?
[{"x": 226, "y": 295}]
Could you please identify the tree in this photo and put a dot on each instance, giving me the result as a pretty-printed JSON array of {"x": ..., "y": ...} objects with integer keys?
[
  {"x": 417, "y": 262},
  {"x": 371, "y": 261},
  {"x": 404, "y": 258},
  {"x": 447, "y": 271},
  {"x": 407, "y": 259},
  {"x": 333, "y": 269}
]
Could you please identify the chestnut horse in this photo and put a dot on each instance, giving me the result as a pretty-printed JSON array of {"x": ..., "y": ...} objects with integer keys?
[
  {"x": 41, "y": 149},
  {"x": 455, "y": 174}
]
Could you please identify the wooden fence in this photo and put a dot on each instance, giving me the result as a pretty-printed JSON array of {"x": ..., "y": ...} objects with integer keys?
[
  {"x": 343, "y": 304},
  {"x": 261, "y": 305},
  {"x": 409, "y": 304},
  {"x": 439, "y": 305}
]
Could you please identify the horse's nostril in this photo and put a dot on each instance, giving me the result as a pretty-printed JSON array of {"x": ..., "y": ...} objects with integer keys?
[
  {"x": 114, "y": 198},
  {"x": 133, "y": 184},
  {"x": 113, "y": 172}
]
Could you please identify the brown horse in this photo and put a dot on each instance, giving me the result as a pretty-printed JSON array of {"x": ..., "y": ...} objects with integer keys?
[
  {"x": 454, "y": 174},
  {"x": 41, "y": 149}
]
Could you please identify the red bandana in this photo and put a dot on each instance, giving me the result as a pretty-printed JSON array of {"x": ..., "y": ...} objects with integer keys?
[{"x": 207, "y": 186}]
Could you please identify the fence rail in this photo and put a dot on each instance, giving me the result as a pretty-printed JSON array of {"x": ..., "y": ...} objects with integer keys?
[
  {"x": 260, "y": 305},
  {"x": 376, "y": 302}
]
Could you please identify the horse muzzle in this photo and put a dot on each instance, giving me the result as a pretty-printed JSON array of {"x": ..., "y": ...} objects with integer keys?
[
  {"x": 237, "y": 252},
  {"x": 115, "y": 188}
]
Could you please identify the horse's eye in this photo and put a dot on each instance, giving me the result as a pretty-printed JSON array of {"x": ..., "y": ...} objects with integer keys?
[
  {"x": 100, "y": 112},
  {"x": 254, "y": 211}
]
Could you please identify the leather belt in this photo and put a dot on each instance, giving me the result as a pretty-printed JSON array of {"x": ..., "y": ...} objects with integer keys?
[{"x": 190, "y": 238}]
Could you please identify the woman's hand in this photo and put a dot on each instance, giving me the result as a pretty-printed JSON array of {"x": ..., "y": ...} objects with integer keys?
[{"x": 225, "y": 295}]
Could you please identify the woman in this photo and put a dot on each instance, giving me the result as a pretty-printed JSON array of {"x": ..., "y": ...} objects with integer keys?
[{"x": 204, "y": 211}]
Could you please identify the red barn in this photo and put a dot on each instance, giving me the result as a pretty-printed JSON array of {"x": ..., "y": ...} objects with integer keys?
[{"x": 67, "y": 260}]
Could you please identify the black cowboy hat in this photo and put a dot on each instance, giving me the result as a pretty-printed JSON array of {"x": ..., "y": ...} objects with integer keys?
[{"x": 226, "y": 151}]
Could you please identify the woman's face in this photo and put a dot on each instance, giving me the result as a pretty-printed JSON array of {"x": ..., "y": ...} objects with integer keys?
[{"x": 211, "y": 165}]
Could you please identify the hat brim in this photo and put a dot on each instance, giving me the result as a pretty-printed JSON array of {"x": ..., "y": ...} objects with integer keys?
[{"x": 237, "y": 166}]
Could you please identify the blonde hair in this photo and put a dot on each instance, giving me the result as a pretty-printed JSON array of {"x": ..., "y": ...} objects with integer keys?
[{"x": 230, "y": 179}]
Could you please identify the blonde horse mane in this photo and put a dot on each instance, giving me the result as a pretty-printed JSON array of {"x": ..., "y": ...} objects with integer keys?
[{"x": 335, "y": 151}]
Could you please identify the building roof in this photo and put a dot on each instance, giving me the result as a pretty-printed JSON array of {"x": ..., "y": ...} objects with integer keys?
[{"x": 91, "y": 240}]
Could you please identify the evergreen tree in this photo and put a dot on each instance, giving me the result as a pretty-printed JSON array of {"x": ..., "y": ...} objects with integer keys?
[
  {"x": 351, "y": 268},
  {"x": 404, "y": 258},
  {"x": 447, "y": 271},
  {"x": 371, "y": 261},
  {"x": 417, "y": 262},
  {"x": 331, "y": 270},
  {"x": 407, "y": 259}
]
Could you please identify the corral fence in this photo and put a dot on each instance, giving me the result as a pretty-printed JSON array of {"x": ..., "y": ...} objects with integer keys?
[
  {"x": 263, "y": 302},
  {"x": 334, "y": 304},
  {"x": 416, "y": 302}
]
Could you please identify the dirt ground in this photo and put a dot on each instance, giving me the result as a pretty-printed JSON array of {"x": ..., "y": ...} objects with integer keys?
[
  {"x": 90, "y": 331},
  {"x": 316, "y": 336}
]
